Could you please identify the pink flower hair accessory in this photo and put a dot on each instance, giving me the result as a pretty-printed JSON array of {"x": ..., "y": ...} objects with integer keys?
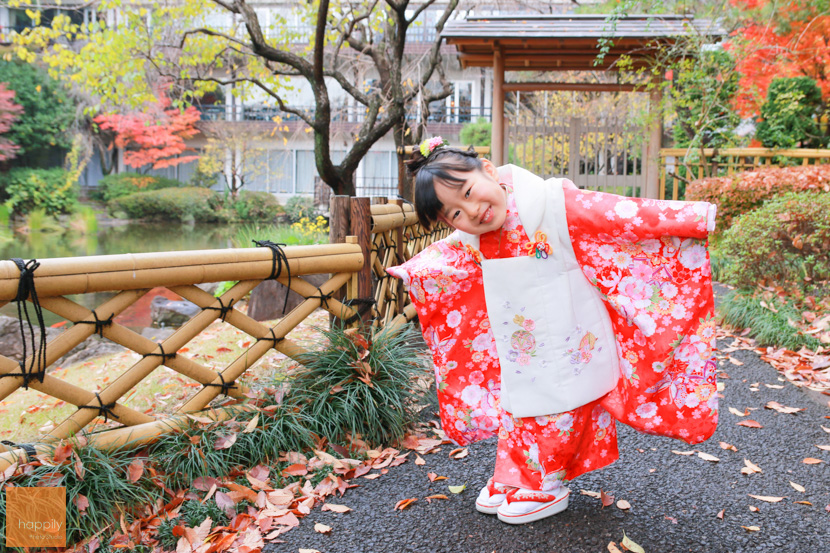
[{"x": 430, "y": 144}]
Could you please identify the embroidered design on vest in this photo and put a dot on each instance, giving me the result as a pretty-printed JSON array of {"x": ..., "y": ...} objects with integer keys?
[
  {"x": 580, "y": 355},
  {"x": 522, "y": 342}
]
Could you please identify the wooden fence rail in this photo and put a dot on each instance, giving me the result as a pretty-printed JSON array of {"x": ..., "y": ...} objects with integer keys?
[
  {"x": 710, "y": 162},
  {"x": 386, "y": 234}
]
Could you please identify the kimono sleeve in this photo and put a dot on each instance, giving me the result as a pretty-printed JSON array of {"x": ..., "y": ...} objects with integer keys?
[{"x": 638, "y": 218}]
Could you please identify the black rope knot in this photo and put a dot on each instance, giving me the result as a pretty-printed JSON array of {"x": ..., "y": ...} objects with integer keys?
[
  {"x": 273, "y": 338},
  {"x": 26, "y": 290},
  {"x": 99, "y": 323},
  {"x": 226, "y": 386},
  {"x": 30, "y": 450},
  {"x": 222, "y": 309},
  {"x": 278, "y": 257},
  {"x": 163, "y": 355},
  {"x": 324, "y": 298},
  {"x": 360, "y": 302},
  {"x": 104, "y": 409}
]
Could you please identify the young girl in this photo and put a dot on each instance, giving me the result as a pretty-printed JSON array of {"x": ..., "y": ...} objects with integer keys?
[{"x": 552, "y": 312}]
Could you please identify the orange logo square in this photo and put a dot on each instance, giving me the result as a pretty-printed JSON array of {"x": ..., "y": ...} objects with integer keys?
[{"x": 35, "y": 517}]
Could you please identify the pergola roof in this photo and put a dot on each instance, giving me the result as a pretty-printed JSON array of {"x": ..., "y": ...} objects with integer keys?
[{"x": 566, "y": 42}]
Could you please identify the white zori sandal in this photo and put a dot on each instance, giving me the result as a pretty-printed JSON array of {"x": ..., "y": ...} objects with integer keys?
[
  {"x": 492, "y": 496},
  {"x": 521, "y": 506}
]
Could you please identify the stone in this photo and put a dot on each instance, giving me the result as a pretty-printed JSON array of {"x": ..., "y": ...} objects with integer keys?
[
  {"x": 158, "y": 334},
  {"x": 268, "y": 298},
  {"x": 165, "y": 312}
]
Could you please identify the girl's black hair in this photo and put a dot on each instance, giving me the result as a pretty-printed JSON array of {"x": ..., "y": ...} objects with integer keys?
[{"x": 443, "y": 164}]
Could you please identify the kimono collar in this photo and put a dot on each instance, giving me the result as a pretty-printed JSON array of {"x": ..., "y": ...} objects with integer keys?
[{"x": 529, "y": 195}]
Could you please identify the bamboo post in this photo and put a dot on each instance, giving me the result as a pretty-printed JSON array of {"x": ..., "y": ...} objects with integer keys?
[
  {"x": 361, "y": 226},
  {"x": 339, "y": 211},
  {"x": 399, "y": 250}
]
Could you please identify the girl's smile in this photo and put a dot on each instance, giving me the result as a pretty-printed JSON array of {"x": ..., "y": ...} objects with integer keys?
[{"x": 478, "y": 205}]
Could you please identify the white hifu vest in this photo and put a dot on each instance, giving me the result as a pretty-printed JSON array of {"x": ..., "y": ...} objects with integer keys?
[{"x": 553, "y": 334}]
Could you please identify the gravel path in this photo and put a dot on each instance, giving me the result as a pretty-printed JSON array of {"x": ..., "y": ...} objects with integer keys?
[{"x": 675, "y": 499}]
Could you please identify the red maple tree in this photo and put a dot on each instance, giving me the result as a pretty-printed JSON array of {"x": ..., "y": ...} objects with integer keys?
[
  {"x": 9, "y": 112},
  {"x": 780, "y": 40},
  {"x": 153, "y": 137}
]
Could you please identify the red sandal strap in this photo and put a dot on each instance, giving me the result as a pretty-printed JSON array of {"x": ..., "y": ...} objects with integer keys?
[
  {"x": 518, "y": 495},
  {"x": 493, "y": 488}
]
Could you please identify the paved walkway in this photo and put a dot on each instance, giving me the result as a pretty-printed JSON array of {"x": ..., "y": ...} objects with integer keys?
[{"x": 675, "y": 499}]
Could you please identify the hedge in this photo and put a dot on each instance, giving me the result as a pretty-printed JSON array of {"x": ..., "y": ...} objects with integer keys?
[
  {"x": 742, "y": 192},
  {"x": 196, "y": 204},
  {"x": 123, "y": 184}
]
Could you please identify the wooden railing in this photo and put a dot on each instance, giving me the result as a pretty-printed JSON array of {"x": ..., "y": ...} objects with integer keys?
[
  {"x": 378, "y": 236},
  {"x": 710, "y": 162}
]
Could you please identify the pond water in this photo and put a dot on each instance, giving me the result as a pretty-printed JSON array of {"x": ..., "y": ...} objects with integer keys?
[{"x": 128, "y": 238}]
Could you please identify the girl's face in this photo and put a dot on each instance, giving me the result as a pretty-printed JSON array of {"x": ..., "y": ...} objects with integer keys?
[{"x": 477, "y": 206}]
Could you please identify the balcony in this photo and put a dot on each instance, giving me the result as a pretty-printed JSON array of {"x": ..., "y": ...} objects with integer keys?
[{"x": 348, "y": 114}]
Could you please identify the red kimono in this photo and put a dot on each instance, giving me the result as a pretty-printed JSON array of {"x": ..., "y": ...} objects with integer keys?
[{"x": 649, "y": 260}]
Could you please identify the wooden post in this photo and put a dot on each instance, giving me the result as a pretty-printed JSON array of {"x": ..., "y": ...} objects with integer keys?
[
  {"x": 339, "y": 227},
  {"x": 655, "y": 136},
  {"x": 497, "y": 138},
  {"x": 399, "y": 251},
  {"x": 361, "y": 227}
]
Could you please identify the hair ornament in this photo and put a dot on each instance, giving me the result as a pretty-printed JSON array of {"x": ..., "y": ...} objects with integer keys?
[{"x": 430, "y": 144}]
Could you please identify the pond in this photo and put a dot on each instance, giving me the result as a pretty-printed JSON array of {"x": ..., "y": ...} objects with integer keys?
[{"x": 125, "y": 238}]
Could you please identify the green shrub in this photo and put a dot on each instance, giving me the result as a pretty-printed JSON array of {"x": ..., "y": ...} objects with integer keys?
[
  {"x": 123, "y": 184},
  {"x": 50, "y": 189},
  {"x": 476, "y": 134},
  {"x": 260, "y": 206},
  {"x": 742, "y": 192},
  {"x": 298, "y": 207},
  {"x": 787, "y": 240},
  {"x": 359, "y": 386},
  {"x": 177, "y": 204},
  {"x": 789, "y": 117}
]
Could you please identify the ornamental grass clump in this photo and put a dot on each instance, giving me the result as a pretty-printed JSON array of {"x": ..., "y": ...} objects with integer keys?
[{"x": 360, "y": 385}]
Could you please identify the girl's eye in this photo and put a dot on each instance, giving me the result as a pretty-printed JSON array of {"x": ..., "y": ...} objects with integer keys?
[
  {"x": 467, "y": 194},
  {"x": 456, "y": 214}
]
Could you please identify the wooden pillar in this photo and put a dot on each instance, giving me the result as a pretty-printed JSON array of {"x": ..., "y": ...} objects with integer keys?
[
  {"x": 361, "y": 227},
  {"x": 399, "y": 251},
  {"x": 339, "y": 228},
  {"x": 497, "y": 138},
  {"x": 655, "y": 137}
]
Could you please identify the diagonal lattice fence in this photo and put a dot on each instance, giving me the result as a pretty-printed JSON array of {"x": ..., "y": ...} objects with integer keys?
[{"x": 393, "y": 236}]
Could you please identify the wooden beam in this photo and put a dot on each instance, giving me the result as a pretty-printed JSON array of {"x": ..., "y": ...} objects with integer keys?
[
  {"x": 581, "y": 87},
  {"x": 497, "y": 135}
]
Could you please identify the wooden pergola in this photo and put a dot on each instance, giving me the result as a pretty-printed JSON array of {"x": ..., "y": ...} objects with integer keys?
[{"x": 568, "y": 43}]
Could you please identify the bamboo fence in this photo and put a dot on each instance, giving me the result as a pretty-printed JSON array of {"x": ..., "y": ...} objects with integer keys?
[
  {"x": 372, "y": 238},
  {"x": 710, "y": 162}
]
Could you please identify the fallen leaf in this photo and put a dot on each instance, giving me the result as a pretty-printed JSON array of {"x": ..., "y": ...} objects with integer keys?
[
  {"x": 738, "y": 413},
  {"x": 676, "y": 452},
  {"x": 782, "y": 408},
  {"x": 623, "y": 505},
  {"x": 774, "y": 386},
  {"x": 322, "y": 528},
  {"x": 223, "y": 350},
  {"x": 730, "y": 447},
  {"x": 225, "y": 442},
  {"x": 459, "y": 453},
  {"x": 803, "y": 503},
  {"x": 252, "y": 424},
  {"x": 589, "y": 493},
  {"x": 434, "y": 477},
  {"x": 606, "y": 499},
  {"x": 825, "y": 428},
  {"x": 372, "y": 476},
  {"x": 754, "y": 509},
  {"x": 798, "y": 487},
  {"x": 436, "y": 496},
  {"x": 721, "y": 513},
  {"x": 767, "y": 498},
  {"x": 735, "y": 361},
  {"x": 612, "y": 548},
  {"x": 824, "y": 447},
  {"x": 630, "y": 545},
  {"x": 81, "y": 502},
  {"x": 458, "y": 489},
  {"x": 750, "y": 467},
  {"x": 297, "y": 469},
  {"x": 308, "y": 551},
  {"x": 419, "y": 460},
  {"x": 751, "y": 528},
  {"x": 404, "y": 503},
  {"x": 749, "y": 423},
  {"x": 707, "y": 457},
  {"x": 812, "y": 461},
  {"x": 135, "y": 470},
  {"x": 335, "y": 508}
]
